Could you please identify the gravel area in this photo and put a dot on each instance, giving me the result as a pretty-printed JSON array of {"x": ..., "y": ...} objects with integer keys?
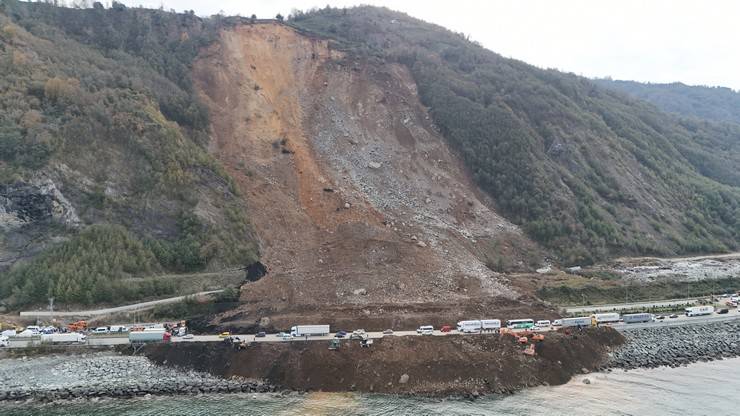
[
  {"x": 47, "y": 378},
  {"x": 677, "y": 345}
]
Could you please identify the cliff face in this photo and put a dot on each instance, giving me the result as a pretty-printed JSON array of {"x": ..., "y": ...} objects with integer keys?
[{"x": 353, "y": 193}]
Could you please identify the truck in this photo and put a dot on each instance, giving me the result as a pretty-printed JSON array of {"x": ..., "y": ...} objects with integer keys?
[
  {"x": 699, "y": 310},
  {"x": 66, "y": 338},
  {"x": 467, "y": 327},
  {"x": 309, "y": 330},
  {"x": 633, "y": 318},
  {"x": 605, "y": 318},
  {"x": 149, "y": 335},
  {"x": 490, "y": 324},
  {"x": 579, "y": 321}
]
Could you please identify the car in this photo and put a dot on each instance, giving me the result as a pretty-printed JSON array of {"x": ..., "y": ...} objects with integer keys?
[
  {"x": 388, "y": 332},
  {"x": 188, "y": 336},
  {"x": 424, "y": 329},
  {"x": 660, "y": 317},
  {"x": 101, "y": 330},
  {"x": 284, "y": 336},
  {"x": 723, "y": 311},
  {"x": 340, "y": 334},
  {"x": 673, "y": 316},
  {"x": 445, "y": 328},
  {"x": 358, "y": 334},
  {"x": 224, "y": 334},
  {"x": 260, "y": 334}
]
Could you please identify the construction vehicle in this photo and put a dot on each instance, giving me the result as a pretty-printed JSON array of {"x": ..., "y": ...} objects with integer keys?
[
  {"x": 77, "y": 326},
  {"x": 523, "y": 340},
  {"x": 334, "y": 344},
  {"x": 529, "y": 350}
]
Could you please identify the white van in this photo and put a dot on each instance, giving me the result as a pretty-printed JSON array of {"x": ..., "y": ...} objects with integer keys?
[
  {"x": 118, "y": 328},
  {"x": 34, "y": 329},
  {"x": 425, "y": 330},
  {"x": 542, "y": 324},
  {"x": 101, "y": 330}
]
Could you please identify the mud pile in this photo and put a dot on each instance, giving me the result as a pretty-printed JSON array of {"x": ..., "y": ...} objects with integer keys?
[{"x": 451, "y": 365}]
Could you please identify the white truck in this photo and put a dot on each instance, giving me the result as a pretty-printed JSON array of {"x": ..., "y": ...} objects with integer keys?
[
  {"x": 468, "y": 327},
  {"x": 580, "y": 321},
  {"x": 606, "y": 318},
  {"x": 699, "y": 310},
  {"x": 67, "y": 338},
  {"x": 148, "y": 335},
  {"x": 309, "y": 330}
]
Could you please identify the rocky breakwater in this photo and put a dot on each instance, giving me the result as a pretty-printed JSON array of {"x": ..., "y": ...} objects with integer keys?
[
  {"x": 60, "y": 377},
  {"x": 674, "y": 346}
]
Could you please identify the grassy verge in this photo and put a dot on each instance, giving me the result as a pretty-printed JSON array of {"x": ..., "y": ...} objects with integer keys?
[{"x": 594, "y": 292}]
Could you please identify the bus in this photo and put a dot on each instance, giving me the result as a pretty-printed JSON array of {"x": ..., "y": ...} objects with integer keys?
[{"x": 520, "y": 323}]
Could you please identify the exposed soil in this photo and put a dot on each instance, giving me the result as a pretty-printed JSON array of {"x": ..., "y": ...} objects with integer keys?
[
  {"x": 355, "y": 197},
  {"x": 431, "y": 365}
]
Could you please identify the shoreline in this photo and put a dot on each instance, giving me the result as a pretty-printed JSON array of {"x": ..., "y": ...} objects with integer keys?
[{"x": 214, "y": 368}]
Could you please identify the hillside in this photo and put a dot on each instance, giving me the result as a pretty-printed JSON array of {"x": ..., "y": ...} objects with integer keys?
[
  {"x": 710, "y": 103},
  {"x": 586, "y": 172},
  {"x": 379, "y": 167},
  {"x": 103, "y": 167}
]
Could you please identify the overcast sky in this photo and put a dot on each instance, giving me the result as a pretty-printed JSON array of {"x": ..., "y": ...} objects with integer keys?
[{"x": 694, "y": 42}]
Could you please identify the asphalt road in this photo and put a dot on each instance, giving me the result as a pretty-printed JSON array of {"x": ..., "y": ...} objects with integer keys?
[
  {"x": 680, "y": 320},
  {"x": 126, "y": 308}
]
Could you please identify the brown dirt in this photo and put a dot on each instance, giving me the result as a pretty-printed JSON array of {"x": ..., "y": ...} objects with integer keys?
[
  {"x": 434, "y": 365},
  {"x": 302, "y": 129}
]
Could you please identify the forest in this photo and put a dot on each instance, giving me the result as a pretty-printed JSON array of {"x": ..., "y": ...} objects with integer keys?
[
  {"x": 100, "y": 101},
  {"x": 587, "y": 172}
]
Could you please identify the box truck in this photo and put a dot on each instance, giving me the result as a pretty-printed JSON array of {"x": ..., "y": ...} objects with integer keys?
[
  {"x": 699, "y": 310},
  {"x": 605, "y": 318},
  {"x": 580, "y": 321},
  {"x": 66, "y": 338},
  {"x": 309, "y": 330}
]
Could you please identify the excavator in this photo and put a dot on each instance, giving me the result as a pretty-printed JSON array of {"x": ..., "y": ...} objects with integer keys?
[{"x": 77, "y": 326}]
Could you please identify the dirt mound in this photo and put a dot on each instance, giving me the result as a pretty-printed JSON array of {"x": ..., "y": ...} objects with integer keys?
[
  {"x": 354, "y": 194},
  {"x": 406, "y": 365}
]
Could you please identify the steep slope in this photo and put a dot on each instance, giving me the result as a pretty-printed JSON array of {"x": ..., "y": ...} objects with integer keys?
[
  {"x": 587, "y": 172},
  {"x": 354, "y": 195},
  {"x": 97, "y": 184},
  {"x": 710, "y": 103}
]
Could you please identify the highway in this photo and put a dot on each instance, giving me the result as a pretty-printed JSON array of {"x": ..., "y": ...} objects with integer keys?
[{"x": 118, "y": 339}]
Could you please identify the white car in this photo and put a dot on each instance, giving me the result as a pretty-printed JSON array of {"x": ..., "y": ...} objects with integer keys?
[
  {"x": 425, "y": 330},
  {"x": 187, "y": 336},
  {"x": 358, "y": 334},
  {"x": 284, "y": 336}
]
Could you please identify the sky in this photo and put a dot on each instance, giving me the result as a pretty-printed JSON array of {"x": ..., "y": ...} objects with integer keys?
[{"x": 694, "y": 42}]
